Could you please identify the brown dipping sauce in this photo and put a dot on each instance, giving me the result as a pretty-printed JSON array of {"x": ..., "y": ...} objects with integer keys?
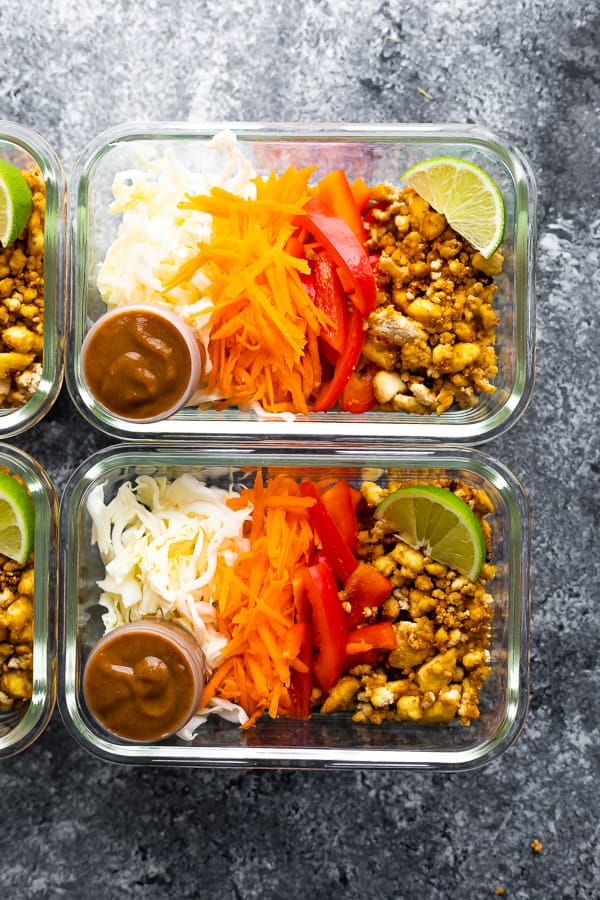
[
  {"x": 138, "y": 364},
  {"x": 143, "y": 681}
]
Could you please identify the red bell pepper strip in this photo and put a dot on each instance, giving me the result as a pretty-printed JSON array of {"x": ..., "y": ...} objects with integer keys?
[
  {"x": 299, "y": 646},
  {"x": 359, "y": 395},
  {"x": 329, "y": 296},
  {"x": 356, "y": 498},
  {"x": 369, "y": 214},
  {"x": 301, "y": 604},
  {"x": 340, "y": 242},
  {"x": 339, "y": 503},
  {"x": 347, "y": 362},
  {"x": 309, "y": 284},
  {"x": 329, "y": 625},
  {"x": 379, "y": 636},
  {"x": 335, "y": 549},
  {"x": 295, "y": 247},
  {"x": 337, "y": 197},
  {"x": 365, "y": 590},
  {"x": 345, "y": 281},
  {"x": 301, "y": 679},
  {"x": 368, "y": 644},
  {"x": 292, "y": 644},
  {"x": 328, "y": 355}
]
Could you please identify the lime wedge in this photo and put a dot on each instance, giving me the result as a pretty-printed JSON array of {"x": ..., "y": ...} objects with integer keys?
[
  {"x": 466, "y": 195},
  {"x": 15, "y": 203},
  {"x": 17, "y": 519},
  {"x": 437, "y": 522}
]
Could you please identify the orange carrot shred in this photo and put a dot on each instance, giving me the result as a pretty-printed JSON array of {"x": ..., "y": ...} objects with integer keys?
[
  {"x": 263, "y": 324},
  {"x": 256, "y": 600}
]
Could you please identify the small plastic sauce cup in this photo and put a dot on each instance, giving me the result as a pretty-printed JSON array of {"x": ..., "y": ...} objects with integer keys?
[
  {"x": 141, "y": 362},
  {"x": 143, "y": 681}
]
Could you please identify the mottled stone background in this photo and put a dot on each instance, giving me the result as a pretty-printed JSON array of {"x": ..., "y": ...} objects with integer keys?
[{"x": 74, "y": 827}]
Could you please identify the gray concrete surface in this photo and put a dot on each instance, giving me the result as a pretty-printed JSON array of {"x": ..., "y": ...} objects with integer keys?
[{"x": 73, "y": 827}]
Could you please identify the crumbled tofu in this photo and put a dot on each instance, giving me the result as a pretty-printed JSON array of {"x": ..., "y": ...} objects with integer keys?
[
  {"x": 16, "y": 632},
  {"x": 434, "y": 326},
  {"x": 22, "y": 305},
  {"x": 441, "y": 622}
]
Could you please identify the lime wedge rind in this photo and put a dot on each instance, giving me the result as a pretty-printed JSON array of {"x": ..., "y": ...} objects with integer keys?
[
  {"x": 439, "y": 523},
  {"x": 16, "y": 203},
  {"x": 17, "y": 519},
  {"x": 466, "y": 195}
]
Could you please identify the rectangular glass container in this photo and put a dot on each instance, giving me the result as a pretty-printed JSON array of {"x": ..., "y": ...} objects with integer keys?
[
  {"x": 324, "y": 741},
  {"x": 374, "y": 152},
  {"x": 27, "y": 150},
  {"x": 21, "y": 728}
]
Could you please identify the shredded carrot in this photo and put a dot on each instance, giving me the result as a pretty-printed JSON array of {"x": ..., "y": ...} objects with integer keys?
[
  {"x": 256, "y": 607},
  {"x": 264, "y": 324},
  {"x": 210, "y": 688},
  {"x": 293, "y": 641}
]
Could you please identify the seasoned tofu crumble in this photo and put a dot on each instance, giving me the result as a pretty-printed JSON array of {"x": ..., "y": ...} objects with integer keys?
[
  {"x": 432, "y": 336},
  {"x": 22, "y": 304},
  {"x": 442, "y": 622},
  {"x": 16, "y": 633}
]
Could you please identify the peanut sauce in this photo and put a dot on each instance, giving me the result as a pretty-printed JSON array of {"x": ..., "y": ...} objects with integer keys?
[
  {"x": 143, "y": 681},
  {"x": 138, "y": 363}
]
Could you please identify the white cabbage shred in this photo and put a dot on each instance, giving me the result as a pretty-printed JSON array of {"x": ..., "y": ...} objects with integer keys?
[
  {"x": 157, "y": 235},
  {"x": 160, "y": 541}
]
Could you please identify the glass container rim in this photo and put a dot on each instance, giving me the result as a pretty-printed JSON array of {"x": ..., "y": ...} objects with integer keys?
[
  {"x": 289, "y": 454},
  {"x": 19, "y": 419},
  {"x": 37, "y": 716},
  {"x": 456, "y": 427}
]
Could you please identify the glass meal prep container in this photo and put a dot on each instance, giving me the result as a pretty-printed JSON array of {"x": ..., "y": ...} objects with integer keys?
[
  {"x": 324, "y": 740},
  {"x": 24, "y": 723},
  {"x": 375, "y": 153},
  {"x": 28, "y": 151}
]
